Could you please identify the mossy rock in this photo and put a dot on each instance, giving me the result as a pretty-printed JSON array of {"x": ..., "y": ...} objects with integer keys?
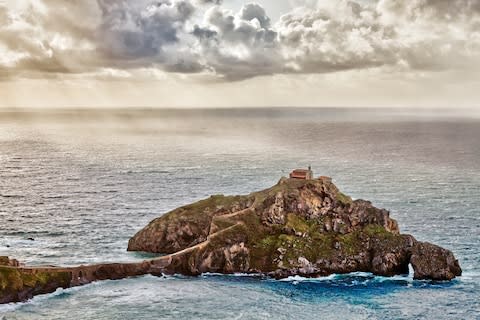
[{"x": 17, "y": 284}]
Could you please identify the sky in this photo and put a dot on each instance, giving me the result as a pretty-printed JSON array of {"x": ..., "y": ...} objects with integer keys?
[{"x": 230, "y": 53}]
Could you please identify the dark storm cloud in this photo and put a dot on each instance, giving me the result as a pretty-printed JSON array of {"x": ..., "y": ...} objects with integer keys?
[
  {"x": 146, "y": 33},
  {"x": 254, "y": 11},
  {"x": 60, "y": 36},
  {"x": 129, "y": 32},
  {"x": 239, "y": 45}
]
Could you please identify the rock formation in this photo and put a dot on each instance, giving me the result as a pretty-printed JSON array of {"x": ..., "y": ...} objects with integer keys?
[{"x": 297, "y": 227}]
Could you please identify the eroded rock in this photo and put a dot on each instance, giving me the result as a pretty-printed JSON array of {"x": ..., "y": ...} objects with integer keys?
[
  {"x": 295, "y": 221},
  {"x": 430, "y": 261}
]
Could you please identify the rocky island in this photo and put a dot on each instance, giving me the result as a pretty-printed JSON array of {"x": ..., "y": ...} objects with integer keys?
[{"x": 303, "y": 227}]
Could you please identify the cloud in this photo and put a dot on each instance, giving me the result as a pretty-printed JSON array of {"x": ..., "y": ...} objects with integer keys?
[
  {"x": 238, "y": 45},
  {"x": 209, "y": 1},
  {"x": 421, "y": 10},
  {"x": 253, "y": 11},
  {"x": 350, "y": 35},
  {"x": 47, "y": 39},
  {"x": 324, "y": 40},
  {"x": 132, "y": 32},
  {"x": 202, "y": 36}
]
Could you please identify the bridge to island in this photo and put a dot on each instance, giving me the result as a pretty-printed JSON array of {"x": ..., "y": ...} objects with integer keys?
[{"x": 21, "y": 283}]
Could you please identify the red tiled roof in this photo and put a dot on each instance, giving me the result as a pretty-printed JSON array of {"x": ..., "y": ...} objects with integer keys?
[
  {"x": 301, "y": 174},
  {"x": 298, "y": 175},
  {"x": 302, "y": 171}
]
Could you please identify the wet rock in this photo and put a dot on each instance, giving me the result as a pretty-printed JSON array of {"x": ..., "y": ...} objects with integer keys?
[
  {"x": 391, "y": 255},
  {"x": 430, "y": 261},
  {"x": 306, "y": 267}
]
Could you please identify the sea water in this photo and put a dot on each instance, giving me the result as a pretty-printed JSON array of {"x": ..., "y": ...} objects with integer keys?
[{"x": 75, "y": 185}]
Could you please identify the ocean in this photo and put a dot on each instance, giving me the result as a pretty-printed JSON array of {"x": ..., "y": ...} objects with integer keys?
[{"x": 75, "y": 185}]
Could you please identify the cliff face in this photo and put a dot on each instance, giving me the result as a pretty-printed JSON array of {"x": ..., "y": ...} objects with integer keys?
[{"x": 297, "y": 227}]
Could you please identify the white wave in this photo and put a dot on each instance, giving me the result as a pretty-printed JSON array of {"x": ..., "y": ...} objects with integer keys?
[
  {"x": 356, "y": 274},
  {"x": 214, "y": 274},
  {"x": 365, "y": 275},
  {"x": 394, "y": 278},
  {"x": 306, "y": 279},
  {"x": 246, "y": 275},
  {"x": 40, "y": 299},
  {"x": 10, "y": 307}
]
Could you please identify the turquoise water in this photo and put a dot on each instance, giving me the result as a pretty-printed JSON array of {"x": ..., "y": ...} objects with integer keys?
[{"x": 81, "y": 183}]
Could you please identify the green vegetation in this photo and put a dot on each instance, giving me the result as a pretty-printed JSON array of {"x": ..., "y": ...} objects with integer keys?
[
  {"x": 343, "y": 198},
  {"x": 314, "y": 244},
  {"x": 4, "y": 261},
  {"x": 221, "y": 222},
  {"x": 200, "y": 212},
  {"x": 350, "y": 243},
  {"x": 272, "y": 243},
  {"x": 10, "y": 279},
  {"x": 212, "y": 203},
  {"x": 14, "y": 280},
  {"x": 379, "y": 232},
  {"x": 300, "y": 224},
  {"x": 232, "y": 234},
  {"x": 292, "y": 186}
]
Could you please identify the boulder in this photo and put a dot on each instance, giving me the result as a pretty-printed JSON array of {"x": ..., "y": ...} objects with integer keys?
[{"x": 432, "y": 262}]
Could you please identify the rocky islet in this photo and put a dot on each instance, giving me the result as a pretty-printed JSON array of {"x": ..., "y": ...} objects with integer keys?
[{"x": 297, "y": 227}]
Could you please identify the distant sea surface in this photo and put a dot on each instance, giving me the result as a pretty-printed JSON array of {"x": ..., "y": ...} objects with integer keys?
[{"x": 81, "y": 183}]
